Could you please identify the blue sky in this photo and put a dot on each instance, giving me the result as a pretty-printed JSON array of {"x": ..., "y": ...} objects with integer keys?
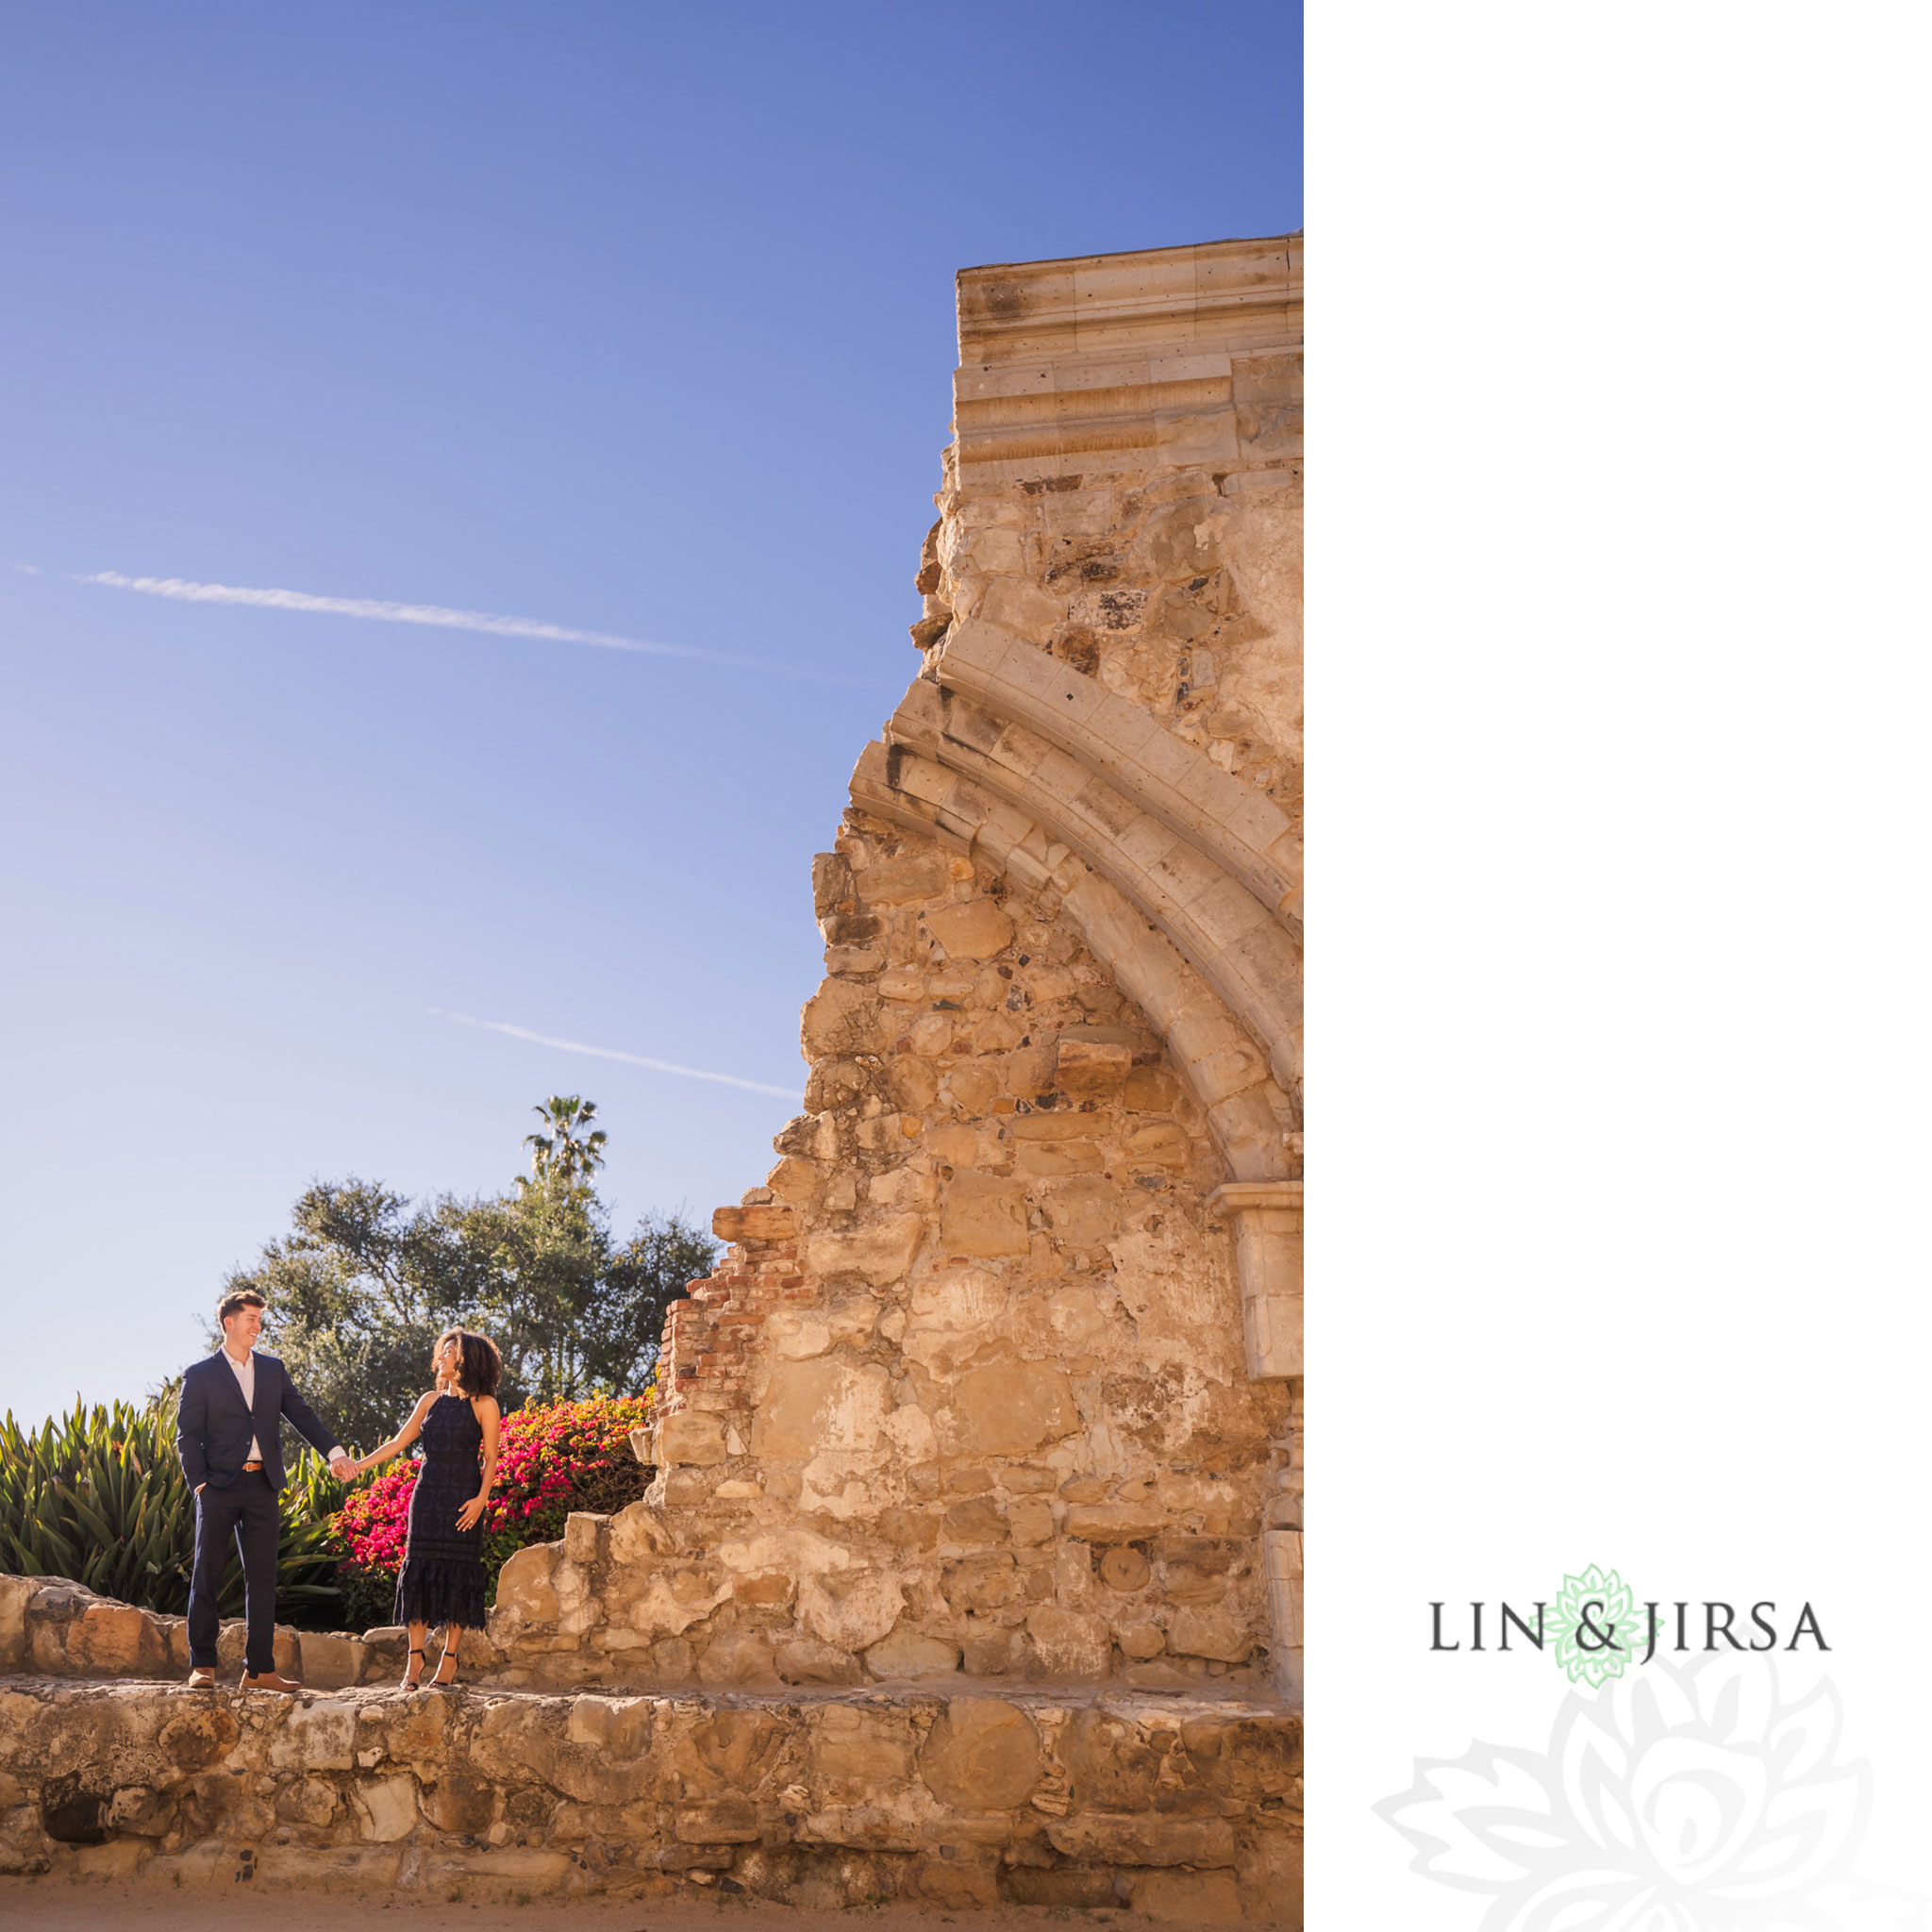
[{"x": 627, "y": 319}]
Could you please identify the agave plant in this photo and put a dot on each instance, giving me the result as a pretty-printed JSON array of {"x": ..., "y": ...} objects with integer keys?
[{"x": 97, "y": 1496}]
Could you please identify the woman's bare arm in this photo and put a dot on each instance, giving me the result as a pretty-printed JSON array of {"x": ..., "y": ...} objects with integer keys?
[
  {"x": 403, "y": 1437},
  {"x": 491, "y": 1416}
]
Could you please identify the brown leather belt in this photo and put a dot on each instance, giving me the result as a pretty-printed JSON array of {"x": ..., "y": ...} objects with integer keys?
[{"x": 246, "y": 1466}]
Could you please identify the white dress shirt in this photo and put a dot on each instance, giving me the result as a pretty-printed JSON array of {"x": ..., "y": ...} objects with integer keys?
[{"x": 245, "y": 1373}]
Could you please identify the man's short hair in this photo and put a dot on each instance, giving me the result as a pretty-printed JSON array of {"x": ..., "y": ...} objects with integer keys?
[{"x": 232, "y": 1304}]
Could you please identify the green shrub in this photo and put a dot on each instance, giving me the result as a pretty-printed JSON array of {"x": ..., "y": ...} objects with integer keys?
[{"x": 98, "y": 1497}]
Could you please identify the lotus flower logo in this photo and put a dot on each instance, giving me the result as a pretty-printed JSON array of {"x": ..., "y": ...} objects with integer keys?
[
  {"x": 1686, "y": 1799},
  {"x": 1598, "y": 1630}
]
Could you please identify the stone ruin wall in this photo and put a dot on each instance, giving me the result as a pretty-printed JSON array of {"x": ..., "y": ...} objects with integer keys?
[
  {"x": 1000, "y": 1375},
  {"x": 971, "y": 1571},
  {"x": 999, "y": 1379}
]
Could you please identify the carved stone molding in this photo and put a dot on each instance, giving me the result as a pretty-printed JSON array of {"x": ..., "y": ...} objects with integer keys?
[{"x": 1267, "y": 1218}]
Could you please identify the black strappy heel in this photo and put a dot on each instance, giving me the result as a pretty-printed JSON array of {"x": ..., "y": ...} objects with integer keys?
[
  {"x": 437, "y": 1682},
  {"x": 406, "y": 1684}
]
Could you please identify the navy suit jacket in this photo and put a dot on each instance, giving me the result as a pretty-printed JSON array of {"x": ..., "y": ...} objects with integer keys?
[{"x": 214, "y": 1425}]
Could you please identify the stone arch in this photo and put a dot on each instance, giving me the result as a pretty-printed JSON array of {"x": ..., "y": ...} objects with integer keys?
[
  {"x": 1242, "y": 831},
  {"x": 1207, "y": 914},
  {"x": 1254, "y": 1119}
]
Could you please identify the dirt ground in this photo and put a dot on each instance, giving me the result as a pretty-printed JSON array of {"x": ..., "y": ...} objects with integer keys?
[{"x": 58, "y": 1904}]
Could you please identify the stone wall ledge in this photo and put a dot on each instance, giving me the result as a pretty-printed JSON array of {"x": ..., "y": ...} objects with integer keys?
[{"x": 1178, "y": 1805}]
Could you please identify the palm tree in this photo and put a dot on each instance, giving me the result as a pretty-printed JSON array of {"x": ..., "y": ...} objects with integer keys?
[{"x": 566, "y": 1152}]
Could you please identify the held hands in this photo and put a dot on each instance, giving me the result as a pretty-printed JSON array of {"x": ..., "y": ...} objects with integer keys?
[
  {"x": 468, "y": 1516},
  {"x": 345, "y": 1468}
]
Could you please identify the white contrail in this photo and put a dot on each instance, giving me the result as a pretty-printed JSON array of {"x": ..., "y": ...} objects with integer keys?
[
  {"x": 440, "y": 617},
  {"x": 608, "y": 1052}
]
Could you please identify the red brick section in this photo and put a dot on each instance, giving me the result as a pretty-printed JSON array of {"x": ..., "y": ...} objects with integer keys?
[{"x": 708, "y": 1337}]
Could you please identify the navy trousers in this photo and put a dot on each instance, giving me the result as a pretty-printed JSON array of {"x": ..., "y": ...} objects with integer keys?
[{"x": 244, "y": 1517}]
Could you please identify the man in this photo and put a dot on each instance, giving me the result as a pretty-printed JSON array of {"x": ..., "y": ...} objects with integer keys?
[{"x": 229, "y": 1438}]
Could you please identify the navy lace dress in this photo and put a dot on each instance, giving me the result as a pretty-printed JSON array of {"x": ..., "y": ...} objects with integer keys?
[{"x": 442, "y": 1570}]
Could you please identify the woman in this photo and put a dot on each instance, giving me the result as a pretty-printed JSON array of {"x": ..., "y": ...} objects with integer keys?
[{"x": 443, "y": 1568}]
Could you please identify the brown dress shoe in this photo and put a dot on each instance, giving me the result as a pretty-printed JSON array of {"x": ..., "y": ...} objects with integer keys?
[
  {"x": 201, "y": 1679},
  {"x": 268, "y": 1680}
]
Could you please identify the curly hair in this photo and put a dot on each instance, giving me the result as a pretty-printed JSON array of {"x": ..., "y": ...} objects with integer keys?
[{"x": 479, "y": 1367}]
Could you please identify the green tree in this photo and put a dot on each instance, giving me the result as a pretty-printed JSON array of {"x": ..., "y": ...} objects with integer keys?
[
  {"x": 560, "y": 1154},
  {"x": 365, "y": 1280}
]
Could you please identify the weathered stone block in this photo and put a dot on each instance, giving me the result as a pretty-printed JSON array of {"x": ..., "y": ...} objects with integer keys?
[
  {"x": 460, "y": 1800},
  {"x": 331, "y": 1660},
  {"x": 915, "y": 1082},
  {"x": 974, "y": 1519},
  {"x": 736, "y": 1658},
  {"x": 692, "y": 1437},
  {"x": 909, "y": 1529},
  {"x": 930, "y": 1036},
  {"x": 674, "y": 1661},
  {"x": 1114, "y": 1523},
  {"x": 308, "y": 1801},
  {"x": 1056, "y": 1127},
  {"x": 1150, "y": 1089},
  {"x": 1019, "y": 606},
  {"x": 370, "y": 1868},
  {"x": 1080, "y": 1886},
  {"x": 832, "y": 888},
  {"x": 1191, "y": 1898},
  {"x": 1161, "y": 1145},
  {"x": 1070, "y": 1646},
  {"x": 894, "y": 881},
  {"x": 990, "y": 1652},
  {"x": 142, "y": 1811},
  {"x": 1029, "y": 1479},
  {"x": 858, "y": 1752},
  {"x": 1085, "y": 1069},
  {"x": 794, "y": 1181},
  {"x": 841, "y": 1019},
  {"x": 618, "y": 1728},
  {"x": 966, "y": 1881},
  {"x": 1246, "y": 1759},
  {"x": 722, "y": 1821},
  {"x": 316, "y": 1736},
  {"x": 880, "y": 1253},
  {"x": 983, "y": 1215},
  {"x": 983, "y": 1755},
  {"x": 194, "y": 1738},
  {"x": 850, "y": 1610},
  {"x": 772, "y": 1221},
  {"x": 811, "y": 1407},
  {"x": 386, "y": 1807},
  {"x": 583, "y": 1537},
  {"x": 976, "y": 930},
  {"x": 110, "y": 1640},
  {"x": 1145, "y": 1839},
  {"x": 1213, "y": 1631},
  {"x": 980, "y": 1583},
  {"x": 637, "y": 1534},
  {"x": 808, "y": 1660},
  {"x": 907, "y": 1654},
  {"x": 1085, "y": 1213},
  {"x": 524, "y": 1591},
  {"x": 769, "y": 1587},
  {"x": 1057, "y": 1158},
  {"x": 528, "y": 1869},
  {"x": 1011, "y": 1408}
]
